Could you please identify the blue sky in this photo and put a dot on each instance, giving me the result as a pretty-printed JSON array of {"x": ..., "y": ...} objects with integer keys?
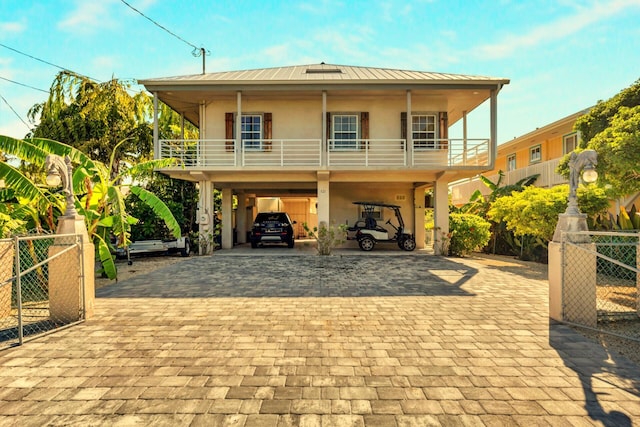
[{"x": 561, "y": 56}]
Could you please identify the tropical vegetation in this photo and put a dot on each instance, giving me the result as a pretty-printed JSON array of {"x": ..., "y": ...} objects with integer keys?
[
  {"x": 612, "y": 128},
  {"x": 107, "y": 135},
  {"x": 99, "y": 196}
]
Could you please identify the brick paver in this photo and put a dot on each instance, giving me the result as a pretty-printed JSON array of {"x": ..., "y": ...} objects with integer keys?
[{"x": 347, "y": 340}]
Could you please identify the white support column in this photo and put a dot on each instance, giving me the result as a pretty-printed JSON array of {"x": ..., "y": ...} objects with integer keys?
[
  {"x": 418, "y": 217},
  {"x": 440, "y": 213},
  {"x": 205, "y": 213},
  {"x": 239, "y": 147},
  {"x": 324, "y": 144},
  {"x": 493, "y": 144},
  {"x": 323, "y": 198},
  {"x": 227, "y": 218},
  {"x": 241, "y": 217},
  {"x": 409, "y": 131},
  {"x": 156, "y": 132},
  {"x": 464, "y": 138},
  {"x": 203, "y": 133}
]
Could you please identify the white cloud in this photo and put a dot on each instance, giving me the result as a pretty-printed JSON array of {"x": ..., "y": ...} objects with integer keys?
[
  {"x": 321, "y": 7},
  {"x": 12, "y": 27},
  {"x": 88, "y": 16},
  {"x": 556, "y": 30}
]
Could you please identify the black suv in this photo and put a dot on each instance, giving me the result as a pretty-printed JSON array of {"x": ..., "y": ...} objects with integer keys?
[{"x": 272, "y": 227}]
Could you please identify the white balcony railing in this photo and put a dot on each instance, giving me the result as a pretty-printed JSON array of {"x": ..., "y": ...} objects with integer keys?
[
  {"x": 387, "y": 153},
  {"x": 462, "y": 191}
]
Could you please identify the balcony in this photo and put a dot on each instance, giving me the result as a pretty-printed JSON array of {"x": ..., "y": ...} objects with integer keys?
[
  {"x": 462, "y": 191},
  {"x": 304, "y": 154}
]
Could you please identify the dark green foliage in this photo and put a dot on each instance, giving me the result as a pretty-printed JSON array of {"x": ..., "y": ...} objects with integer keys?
[
  {"x": 625, "y": 221},
  {"x": 181, "y": 197}
]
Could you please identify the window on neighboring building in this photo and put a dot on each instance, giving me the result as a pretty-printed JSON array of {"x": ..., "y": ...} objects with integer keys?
[
  {"x": 344, "y": 131},
  {"x": 511, "y": 162},
  {"x": 252, "y": 131},
  {"x": 535, "y": 154},
  {"x": 569, "y": 142},
  {"x": 423, "y": 128}
]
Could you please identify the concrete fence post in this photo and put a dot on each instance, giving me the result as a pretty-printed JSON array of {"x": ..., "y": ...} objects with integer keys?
[{"x": 6, "y": 272}]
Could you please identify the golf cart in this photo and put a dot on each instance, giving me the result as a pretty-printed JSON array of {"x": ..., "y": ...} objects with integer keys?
[{"x": 367, "y": 231}]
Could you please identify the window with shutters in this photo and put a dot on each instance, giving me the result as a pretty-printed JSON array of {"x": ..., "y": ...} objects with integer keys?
[
  {"x": 256, "y": 130},
  {"x": 251, "y": 128},
  {"x": 344, "y": 131},
  {"x": 511, "y": 162},
  {"x": 423, "y": 129}
]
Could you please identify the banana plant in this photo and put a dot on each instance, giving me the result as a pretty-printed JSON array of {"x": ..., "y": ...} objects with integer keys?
[{"x": 98, "y": 195}]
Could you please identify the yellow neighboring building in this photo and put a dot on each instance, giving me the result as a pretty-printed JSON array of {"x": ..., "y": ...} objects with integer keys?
[{"x": 537, "y": 152}]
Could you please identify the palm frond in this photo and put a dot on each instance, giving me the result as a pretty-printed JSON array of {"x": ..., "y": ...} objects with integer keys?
[
  {"x": 23, "y": 149},
  {"x": 104, "y": 253},
  {"x": 146, "y": 168},
  {"x": 22, "y": 186}
]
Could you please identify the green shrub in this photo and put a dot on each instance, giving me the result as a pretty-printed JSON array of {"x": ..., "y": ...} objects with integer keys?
[
  {"x": 468, "y": 233},
  {"x": 327, "y": 237}
]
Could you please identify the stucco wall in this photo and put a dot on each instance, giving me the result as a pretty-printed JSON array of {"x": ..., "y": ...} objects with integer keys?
[
  {"x": 301, "y": 117},
  {"x": 343, "y": 211}
]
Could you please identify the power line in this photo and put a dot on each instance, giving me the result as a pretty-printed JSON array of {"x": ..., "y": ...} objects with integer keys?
[
  {"x": 164, "y": 28},
  {"x": 33, "y": 57},
  {"x": 15, "y": 112},
  {"x": 45, "y": 62},
  {"x": 197, "y": 51},
  {"x": 53, "y": 65},
  {"x": 25, "y": 85}
]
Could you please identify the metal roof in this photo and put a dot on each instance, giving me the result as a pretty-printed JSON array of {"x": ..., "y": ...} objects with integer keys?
[{"x": 324, "y": 73}]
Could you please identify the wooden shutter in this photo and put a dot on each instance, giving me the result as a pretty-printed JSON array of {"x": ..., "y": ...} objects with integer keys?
[
  {"x": 443, "y": 130},
  {"x": 328, "y": 130},
  {"x": 228, "y": 129},
  {"x": 403, "y": 127},
  {"x": 364, "y": 129},
  {"x": 267, "y": 134}
]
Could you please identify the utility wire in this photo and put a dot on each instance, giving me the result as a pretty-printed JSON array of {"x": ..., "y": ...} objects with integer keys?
[
  {"x": 45, "y": 62},
  {"x": 15, "y": 112},
  {"x": 53, "y": 65},
  {"x": 164, "y": 28},
  {"x": 22, "y": 84},
  {"x": 197, "y": 51}
]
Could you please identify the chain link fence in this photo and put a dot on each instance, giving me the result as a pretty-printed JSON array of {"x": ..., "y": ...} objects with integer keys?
[
  {"x": 601, "y": 281},
  {"x": 41, "y": 285}
]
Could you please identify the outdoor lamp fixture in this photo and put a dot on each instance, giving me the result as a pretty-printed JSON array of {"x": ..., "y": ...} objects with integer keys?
[
  {"x": 59, "y": 171},
  {"x": 581, "y": 164},
  {"x": 589, "y": 174},
  {"x": 572, "y": 220}
]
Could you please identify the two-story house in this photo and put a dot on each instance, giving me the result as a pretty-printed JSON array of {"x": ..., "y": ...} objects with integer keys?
[{"x": 332, "y": 134}]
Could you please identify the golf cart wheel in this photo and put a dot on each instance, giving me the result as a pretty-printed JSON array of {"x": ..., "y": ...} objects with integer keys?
[
  {"x": 409, "y": 244},
  {"x": 291, "y": 243},
  {"x": 254, "y": 244},
  {"x": 366, "y": 243}
]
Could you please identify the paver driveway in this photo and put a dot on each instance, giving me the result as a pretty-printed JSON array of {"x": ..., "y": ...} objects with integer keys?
[{"x": 284, "y": 340}]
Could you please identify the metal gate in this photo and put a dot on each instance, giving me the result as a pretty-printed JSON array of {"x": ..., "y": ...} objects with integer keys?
[
  {"x": 41, "y": 286},
  {"x": 601, "y": 280}
]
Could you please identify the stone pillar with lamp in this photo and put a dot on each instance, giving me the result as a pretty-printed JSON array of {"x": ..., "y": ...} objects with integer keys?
[
  {"x": 582, "y": 286},
  {"x": 71, "y": 272}
]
